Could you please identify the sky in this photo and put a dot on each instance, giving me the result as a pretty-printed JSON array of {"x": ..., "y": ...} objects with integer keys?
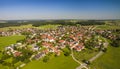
[{"x": 59, "y": 9}]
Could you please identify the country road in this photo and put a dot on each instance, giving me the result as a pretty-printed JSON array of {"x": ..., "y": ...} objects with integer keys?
[
  {"x": 96, "y": 56},
  {"x": 84, "y": 65},
  {"x": 75, "y": 58},
  {"x": 100, "y": 53}
]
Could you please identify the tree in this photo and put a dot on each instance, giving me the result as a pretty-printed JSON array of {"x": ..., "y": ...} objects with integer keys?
[
  {"x": 45, "y": 59},
  {"x": 104, "y": 49},
  {"x": 66, "y": 51},
  {"x": 89, "y": 44},
  {"x": 115, "y": 43}
]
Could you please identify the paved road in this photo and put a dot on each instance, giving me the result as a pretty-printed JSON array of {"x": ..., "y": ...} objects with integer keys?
[
  {"x": 100, "y": 53},
  {"x": 96, "y": 56},
  {"x": 83, "y": 65}
]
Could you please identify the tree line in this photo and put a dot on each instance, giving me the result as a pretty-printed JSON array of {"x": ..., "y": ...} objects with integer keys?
[{"x": 61, "y": 22}]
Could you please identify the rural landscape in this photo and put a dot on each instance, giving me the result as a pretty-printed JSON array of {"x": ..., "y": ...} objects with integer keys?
[
  {"x": 73, "y": 44},
  {"x": 59, "y": 34}
]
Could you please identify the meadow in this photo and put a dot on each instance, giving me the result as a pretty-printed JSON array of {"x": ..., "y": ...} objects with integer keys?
[
  {"x": 107, "y": 27},
  {"x": 7, "y": 40},
  {"x": 85, "y": 54},
  {"x": 109, "y": 60},
  {"x": 49, "y": 26},
  {"x": 17, "y": 27},
  {"x": 59, "y": 62},
  {"x": 42, "y": 27}
]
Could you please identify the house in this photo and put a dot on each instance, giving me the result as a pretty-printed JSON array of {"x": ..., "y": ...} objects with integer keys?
[
  {"x": 46, "y": 44},
  {"x": 50, "y": 39},
  {"x": 16, "y": 53},
  {"x": 78, "y": 47},
  {"x": 61, "y": 41},
  {"x": 39, "y": 55},
  {"x": 19, "y": 44}
]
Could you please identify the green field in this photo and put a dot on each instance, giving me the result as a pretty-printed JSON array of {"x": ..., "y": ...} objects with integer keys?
[
  {"x": 84, "y": 54},
  {"x": 43, "y": 27},
  {"x": 17, "y": 27},
  {"x": 60, "y": 62},
  {"x": 49, "y": 26},
  {"x": 109, "y": 60},
  {"x": 107, "y": 27},
  {"x": 5, "y": 41}
]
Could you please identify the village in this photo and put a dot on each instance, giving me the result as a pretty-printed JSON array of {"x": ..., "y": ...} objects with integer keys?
[{"x": 39, "y": 43}]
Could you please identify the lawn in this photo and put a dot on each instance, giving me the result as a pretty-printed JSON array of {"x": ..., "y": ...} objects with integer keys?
[
  {"x": 7, "y": 40},
  {"x": 60, "y": 62},
  {"x": 85, "y": 54},
  {"x": 109, "y": 60}
]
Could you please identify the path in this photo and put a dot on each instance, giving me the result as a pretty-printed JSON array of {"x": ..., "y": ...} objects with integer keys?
[
  {"x": 100, "y": 53},
  {"x": 82, "y": 65},
  {"x": 75, "y": 58},
  {"x": 96, "y": 56}
]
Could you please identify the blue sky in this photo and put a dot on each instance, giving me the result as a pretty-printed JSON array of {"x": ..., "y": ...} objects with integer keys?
[{"x": 59, "y": 9}]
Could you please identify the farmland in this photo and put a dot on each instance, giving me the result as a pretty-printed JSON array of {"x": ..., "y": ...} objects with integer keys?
[{"x": 70, "y": 46}]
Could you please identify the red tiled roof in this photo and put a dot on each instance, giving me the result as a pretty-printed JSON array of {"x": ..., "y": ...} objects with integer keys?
[
  {"x": 61, "y": 41},
  {"x": 46, "y": 44},
  {"x": 17, "y": 54},
  {"x": 50, "y": 37},
  {"x": 43, "y": 36}
]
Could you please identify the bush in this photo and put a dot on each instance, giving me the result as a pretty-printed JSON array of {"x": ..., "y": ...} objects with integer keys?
[
  {"x": 104, "y": 49},
  {"x": 115, "y": 43},
  {"x": 66, "y": 51},
  {"x": 45, "y": 59},
  {"x": 84, "y": 60}
]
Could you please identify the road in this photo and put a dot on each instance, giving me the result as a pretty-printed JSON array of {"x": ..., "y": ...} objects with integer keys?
[
  {"x": 75, "y": 58},
  {"x": 82, "y": 65},
  {"x": 96, "y": 56},
  {"x": 100, "y": 53}
]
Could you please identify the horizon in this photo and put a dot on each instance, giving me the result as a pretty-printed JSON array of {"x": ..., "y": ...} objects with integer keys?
[
  {"x": 59, "y": 9},
  {"x": 51, "y": 19}
]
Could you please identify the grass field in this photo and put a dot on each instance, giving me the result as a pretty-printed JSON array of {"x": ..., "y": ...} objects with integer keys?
[
  {"x": 109, "y": 60},
  {"x": 84, "y": 54},
  {"x": 60, "y": 62},
  {"x": 43, "y": 27},
  {"x": 17, "y": 27},
  {"x": 5, "y": 41},
  {"x": 107, "y": 27},
  {"x": 49, "y": 26}
]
